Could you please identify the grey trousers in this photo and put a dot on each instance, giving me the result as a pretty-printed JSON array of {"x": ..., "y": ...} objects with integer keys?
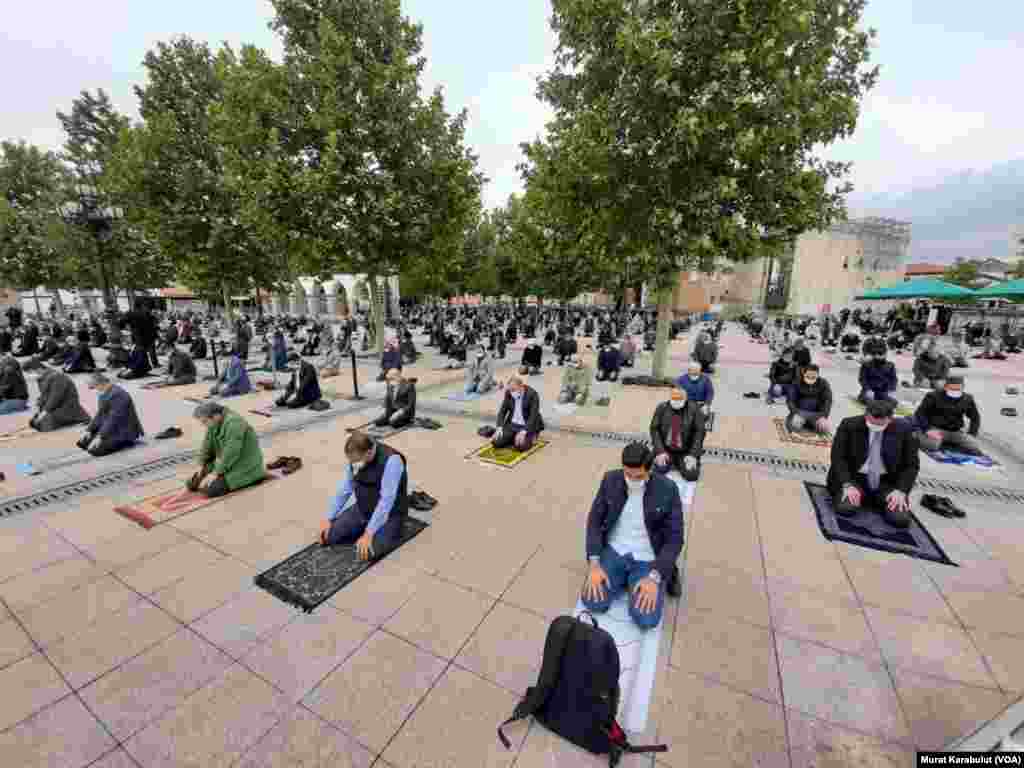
[{"x": 950, "y": 439}]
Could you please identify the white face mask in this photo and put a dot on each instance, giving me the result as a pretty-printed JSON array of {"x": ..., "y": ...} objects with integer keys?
[
  {"x": 677, "y": 405},
  {"x": 955, "y": 395},
  {"x": 877, "y": 427},
  {"x": 695, "y": 376}
]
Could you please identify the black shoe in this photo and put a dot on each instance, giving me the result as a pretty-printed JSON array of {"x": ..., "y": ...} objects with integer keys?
[
  {"x": 675, "y": 586},
  {"x": 168, "y": 433},
  {"x": 934, "y": 504},
  {"x": 278, "y": 463},
  {"x": 953, "y": 510}
]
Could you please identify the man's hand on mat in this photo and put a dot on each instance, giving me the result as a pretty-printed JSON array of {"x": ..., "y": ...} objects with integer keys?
[
  {"x": 662, "y": 459},
  {"x": 364, "y": 546},
  {"x": 520, "y": 439},
  {"x": 852, "y": 495},
  {"x": 822, "y": 424},
  {"x": 325, "y": 528},
  {"x": 689, "y": 462},
  {"x": 596, "y": 584},
  {"x": 646, "y": 594},
  {"x": 897, "y": 501},
  {"x": 933, "y": 434}
]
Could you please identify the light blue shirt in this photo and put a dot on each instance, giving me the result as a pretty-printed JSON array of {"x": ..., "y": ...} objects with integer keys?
[{"x": 388, "y": 493}]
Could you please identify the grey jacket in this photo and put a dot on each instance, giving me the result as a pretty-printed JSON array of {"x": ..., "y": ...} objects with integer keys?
[{"x": 58, "y": 398}]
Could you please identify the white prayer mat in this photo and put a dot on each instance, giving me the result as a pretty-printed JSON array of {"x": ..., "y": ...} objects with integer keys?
[
  {"x": 565, "y": 409},
  {"x": 638, "y": 661},
  {"x": 686, "y": 488}
]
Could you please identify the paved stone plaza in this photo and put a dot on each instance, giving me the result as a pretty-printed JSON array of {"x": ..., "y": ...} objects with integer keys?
[{"x": 122, "y": 647}]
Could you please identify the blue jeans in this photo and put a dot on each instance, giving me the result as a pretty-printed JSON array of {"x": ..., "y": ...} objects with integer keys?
[
  {"x": 350, "y": 525},
  {"x": 624, "y": 573},
  {"x": 13, "y": 406}
]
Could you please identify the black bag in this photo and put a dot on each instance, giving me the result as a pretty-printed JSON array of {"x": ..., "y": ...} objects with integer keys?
[{"x": 577, "y": 691}]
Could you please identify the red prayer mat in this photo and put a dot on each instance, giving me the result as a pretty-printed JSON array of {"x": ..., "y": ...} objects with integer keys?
[{"x": 170, "y": 505}]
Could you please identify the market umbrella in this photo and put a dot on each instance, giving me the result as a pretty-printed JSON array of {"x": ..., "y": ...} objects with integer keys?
[
  {"x": 920, "y": 288},
  {"x": 1014, "y": 288}
]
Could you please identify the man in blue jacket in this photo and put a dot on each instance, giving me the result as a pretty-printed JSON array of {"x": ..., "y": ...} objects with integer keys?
[
  {"x": 699, "y": 389},
  {"x": 609, "y": 362},
  {"x": 116, "y": 424},
  {"x": 634, "y": 535},
  {"x": 878, "y": 379}
]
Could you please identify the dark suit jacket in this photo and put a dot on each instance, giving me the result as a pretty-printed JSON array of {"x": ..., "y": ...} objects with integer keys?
[
  {"x": 116, "y": 420},
  {"x": 404, "y": 397},
  {"x": 692, "y": 432},
  {"x": 663, "y": 518},
  {"x": 531, "y": 410},
  {"x": 850, "y": 451}
]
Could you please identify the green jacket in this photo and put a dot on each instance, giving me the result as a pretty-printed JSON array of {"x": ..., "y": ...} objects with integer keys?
[{"x": 232, "y": 449}]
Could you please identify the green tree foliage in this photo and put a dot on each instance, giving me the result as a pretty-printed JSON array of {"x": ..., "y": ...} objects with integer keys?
[
  {"x": 962, "y": 273},
  {"x": 171, "y": 167},
  {"x": 365, "y": 175},
  {"x": 686, "y": 132},
  {"x": 32, "y": 233}
]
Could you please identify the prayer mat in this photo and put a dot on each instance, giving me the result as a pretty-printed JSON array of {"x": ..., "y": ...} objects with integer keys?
[
  {"x": 638, "y": 660},
  {"x": 504, "y": 457},
  {"x": 945, "y": 456},
  {"x": 565, "y": 409},
  {"x": 170, "y": 505},
  {"x": 260, "y": 412},
  {"x": 380, "y": 433},
  {"x": 25, "y": 431},
  {"x": 462, "y": 397},
  {"x": 903, "y": 409},
  {"x": 801, "y": 438},
  {"x": 869, "y": 529},
  {"x": 317, "y": 573},
  {"x": 198, "y": 400}
]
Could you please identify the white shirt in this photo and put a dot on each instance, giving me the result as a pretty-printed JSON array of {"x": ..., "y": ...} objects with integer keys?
[
  {"x": 630, "y": 537},
  {"x": 517, "y": 412}
]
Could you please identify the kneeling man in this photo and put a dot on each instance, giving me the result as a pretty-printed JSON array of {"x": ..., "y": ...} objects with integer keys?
[
  {"x": 810, "y": 403},
  {"x": 116, "y": 424},
  {"x": 678, "y": 428},
  {"x": 230, "y": 453},
  {"x": 399, "y": 402},
  {"x": 519, "y": 419},
  {"x": 634, "y": 535},
  {"x": 874, "y": 464},
  {"x": 378, "y": 477}
]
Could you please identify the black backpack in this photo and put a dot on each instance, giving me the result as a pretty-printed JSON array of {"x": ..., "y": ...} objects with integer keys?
[{"x": 577, "y": 692}]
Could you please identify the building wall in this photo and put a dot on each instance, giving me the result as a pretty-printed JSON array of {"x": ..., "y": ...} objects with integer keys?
[{"x": 826, "y": 273}]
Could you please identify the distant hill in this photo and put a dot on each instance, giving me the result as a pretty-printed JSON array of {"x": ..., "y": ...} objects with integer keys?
[{"x": 970, "y": 214}]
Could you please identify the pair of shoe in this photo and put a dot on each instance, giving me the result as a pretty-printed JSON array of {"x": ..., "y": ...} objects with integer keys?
[
  {"x": 941, "y": 505},
  {"x": 287, "y": 464},
  {"x": 1008, "y": 411},
  {"x": 421, "y": 501},
  {"x": 753, "y": 396},
  {"x": 169, "y": 433}
]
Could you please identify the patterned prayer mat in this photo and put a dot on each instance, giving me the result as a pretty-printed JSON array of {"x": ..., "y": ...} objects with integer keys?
[
  {"x": 901, "y": 410},
  {"x": 316, "y": 573},
  {"x": 170, "y": 505},
  {"x": 946, "y": 456},
  {"x": 869, "y": 529},
  {"x": 379, "y": 433},
  {"x": 504, "y": 457},
  {"x": 265, "y": 413},
  {"x": 801, "y": 438}
]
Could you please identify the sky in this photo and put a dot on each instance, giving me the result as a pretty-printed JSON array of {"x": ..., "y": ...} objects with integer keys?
[{"x": 945, "y": 102}]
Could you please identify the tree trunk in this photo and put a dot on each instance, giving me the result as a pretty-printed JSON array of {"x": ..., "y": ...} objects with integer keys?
[
  {"x": 228, "y": 310},
  {"x": 661, "y": 332},
  {"x": 35, "y": 295},
  {"x": 259, "y": 303}
]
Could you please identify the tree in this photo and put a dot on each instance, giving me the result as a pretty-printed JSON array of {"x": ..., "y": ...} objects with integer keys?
[
  {"x": 93, "y": 129},
  {"x": 684, "y": 133},
  {"x": 32, "y": 233},
  {"x": 962, "y": 273},
  {"x": 1017, "y": 270},
  {"x": 172, "y": 166},
  {"x": 365, "y": 176}
]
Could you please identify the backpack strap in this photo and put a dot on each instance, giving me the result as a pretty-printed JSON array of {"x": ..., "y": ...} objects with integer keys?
[{"x": 551, "y": 667}]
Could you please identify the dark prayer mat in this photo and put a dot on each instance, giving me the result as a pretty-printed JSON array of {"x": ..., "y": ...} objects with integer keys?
[
  {"x": 869, "y": 529},
  {"x": 801, "y": 438},
  {"x": 258, "y": 412},
  {"x": 316, "y": 573}
]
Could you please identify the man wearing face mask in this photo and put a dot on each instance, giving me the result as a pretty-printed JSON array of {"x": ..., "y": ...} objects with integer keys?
[
  {"x": 941, "y": 416},
  {"x": 480, "y": 373},
  {"x": 801, "y": 354},
  {"x": 810, "y": 403},
  {"x": 705, "y": 352},
  {"x": 931, "y": 368},
  {"x": 519, "y": 419},
  {"x": 878, "y": 379},
  {"x": 565, "y": 348},
  {"x": 634, "y": 535},
  {"x": 608, "y": 363},
  {"x": 874, "y": 465},
  {"x": 782, "y": 376},
  {"x": 533, "y": 358},
  {"x": 698, "y": 386},
  {"x": 575, "y": 382},
  {"x": 677, "y": 435},
  {"x": 378, "y": 478}
]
